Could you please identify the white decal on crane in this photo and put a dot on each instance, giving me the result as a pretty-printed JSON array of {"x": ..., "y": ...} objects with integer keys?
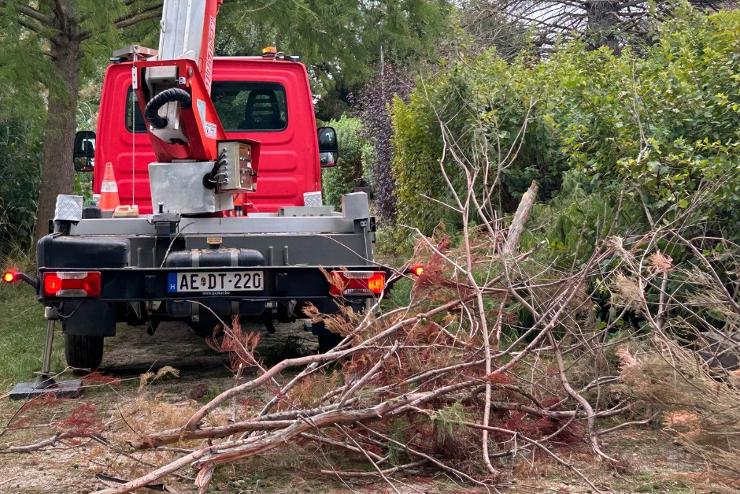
[
  {"x": 211, "y": 129},
  {"x": 208, "y": 75},
  {"x": 201, "y": 110}
]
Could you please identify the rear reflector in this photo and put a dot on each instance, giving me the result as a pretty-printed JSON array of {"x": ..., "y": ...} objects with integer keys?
[
  {"x": 357, "y": 283},
  {"x": 72, "y": 284}
]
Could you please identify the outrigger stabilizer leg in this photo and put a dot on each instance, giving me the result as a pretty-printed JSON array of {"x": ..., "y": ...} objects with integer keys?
[{"x": 45, "y": 384}]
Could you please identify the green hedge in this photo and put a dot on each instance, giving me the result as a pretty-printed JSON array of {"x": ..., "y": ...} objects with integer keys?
[
  {"x": 354, "y": 166},
  {"x": 653, "y": 127},
  {"x": 659, "y": 125},
  {"x": 20, "y": 164}
]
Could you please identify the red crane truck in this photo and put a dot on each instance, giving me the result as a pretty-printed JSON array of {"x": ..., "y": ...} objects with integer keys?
[{"x": 222, "y": 157}]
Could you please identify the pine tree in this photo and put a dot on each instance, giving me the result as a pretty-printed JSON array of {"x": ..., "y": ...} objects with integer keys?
[{"x": 62, "y": 41}]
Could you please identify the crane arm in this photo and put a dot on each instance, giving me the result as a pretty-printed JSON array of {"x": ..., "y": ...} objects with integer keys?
[
  {"x": 174, "y": 94},
  {"x": 188, "y": 30}
]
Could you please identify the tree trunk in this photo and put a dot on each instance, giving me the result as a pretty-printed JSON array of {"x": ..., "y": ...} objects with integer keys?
[
  {"x": 57, "y": 172},
  {"x": 603, "y": 23}
]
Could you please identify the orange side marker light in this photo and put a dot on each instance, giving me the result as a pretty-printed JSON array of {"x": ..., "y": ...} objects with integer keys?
[{"x": 416, "y": 269}]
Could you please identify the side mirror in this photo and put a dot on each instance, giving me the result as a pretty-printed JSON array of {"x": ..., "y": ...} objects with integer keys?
[
  {"x": 83, "y": 154},
  {"x": 328, "y": 146}
]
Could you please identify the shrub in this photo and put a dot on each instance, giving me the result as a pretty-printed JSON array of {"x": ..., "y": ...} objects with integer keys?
[
  {"x": 571, "y": 224},
  {"x": 649, "y": 129},
  {"x": 660, "y": 126},
  {"x": 375, "y": 100},
  {"x": 354, "y": 164},
  {"x": 489, "y": 107},
  {"x": 20, "y": 169}
]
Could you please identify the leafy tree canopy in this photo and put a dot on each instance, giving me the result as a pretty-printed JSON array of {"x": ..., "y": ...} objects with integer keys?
[
  {"x": 31, "y": 27},
  {"x": 339, "y": 40}
]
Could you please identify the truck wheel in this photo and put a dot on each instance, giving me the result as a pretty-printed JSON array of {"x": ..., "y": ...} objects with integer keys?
[
  {"x": 328, "y": 341},
  {"x": 83, "y": 352}
]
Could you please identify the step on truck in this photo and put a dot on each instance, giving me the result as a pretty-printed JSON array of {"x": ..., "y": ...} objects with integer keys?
[{"x": 216, "y": 163}]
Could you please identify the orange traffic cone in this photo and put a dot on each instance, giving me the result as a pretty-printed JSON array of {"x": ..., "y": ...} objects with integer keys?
[{"x": 109, "y": 190}]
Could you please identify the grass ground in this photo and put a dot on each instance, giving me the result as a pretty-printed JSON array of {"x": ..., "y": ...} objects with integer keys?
[
  {"x": 22, "y": 328},
  {"x": 653, "y": 463}
]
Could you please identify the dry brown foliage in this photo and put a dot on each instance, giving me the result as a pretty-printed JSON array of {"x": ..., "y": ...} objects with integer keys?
[
  {"x": 700, "y": 411},
  {"x": 494, "y": 358},
  {"x": 418, "y": 386}
]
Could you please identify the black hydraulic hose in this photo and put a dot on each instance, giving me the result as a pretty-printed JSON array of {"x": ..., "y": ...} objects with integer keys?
[
  {"x": 216, "y": 175},
  {"x": 161, "y": 99}
]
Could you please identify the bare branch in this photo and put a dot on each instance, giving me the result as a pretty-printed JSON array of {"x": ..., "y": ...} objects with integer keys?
[
  {"x": 136, "y": 16},
  {"x": 36, "y": 15},
  {"x": 133, "y": 20}
]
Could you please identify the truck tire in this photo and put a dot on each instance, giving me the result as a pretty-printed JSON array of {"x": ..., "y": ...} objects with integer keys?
[
  {"x": 328, "y": 341},
  {"x": 83, "y": 352}
]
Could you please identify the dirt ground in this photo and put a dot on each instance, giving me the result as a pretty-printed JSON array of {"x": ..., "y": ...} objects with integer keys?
[{"x": 121, "y": 405}]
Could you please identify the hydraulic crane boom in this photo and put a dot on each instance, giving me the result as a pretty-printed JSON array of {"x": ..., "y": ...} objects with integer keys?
[
  {"x": 197, "y": 170},
  {"x": 188, "y": 30}
]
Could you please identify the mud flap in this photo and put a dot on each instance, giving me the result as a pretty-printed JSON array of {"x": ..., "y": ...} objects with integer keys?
[{"x": 89, "y": 318}]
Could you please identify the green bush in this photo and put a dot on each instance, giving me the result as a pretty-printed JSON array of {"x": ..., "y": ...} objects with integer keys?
[
  {"x": 647, "y": 129},
  {"x": 418, "y": 145},
  {"x": 660, "y": 125},
  {"x": 484, "y": 104},
  {"x": 20, "y": 160},
  {"x": 354, "y": 165},
  {"x": 565, "y": 229}
]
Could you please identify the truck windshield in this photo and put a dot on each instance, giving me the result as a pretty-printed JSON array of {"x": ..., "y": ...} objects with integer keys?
[{"x": 241, "y": 106}]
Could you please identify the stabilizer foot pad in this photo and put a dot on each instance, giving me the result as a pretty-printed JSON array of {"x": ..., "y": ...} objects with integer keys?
[{"x": 35, "y": 389}]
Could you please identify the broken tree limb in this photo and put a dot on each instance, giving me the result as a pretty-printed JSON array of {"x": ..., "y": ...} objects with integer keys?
[
  {"x": 520, "y": 219},
  {"x": 177, "y": 435},
  {"x": 230, "y": 451}
]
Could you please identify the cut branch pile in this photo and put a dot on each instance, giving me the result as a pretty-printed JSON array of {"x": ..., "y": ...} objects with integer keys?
[
  {"x": 451, "y": 377},
  {"x": 485, "y": 364},
  {"x": 494, "y": 355}
]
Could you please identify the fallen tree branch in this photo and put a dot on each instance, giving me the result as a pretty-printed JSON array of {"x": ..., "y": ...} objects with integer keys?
[
  {"x": 520, "y": 219},
  {"x": 385, "y": 471}
]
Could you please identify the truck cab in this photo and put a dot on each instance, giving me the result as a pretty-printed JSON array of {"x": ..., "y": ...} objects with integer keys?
[{"x": 263, "y": 99}]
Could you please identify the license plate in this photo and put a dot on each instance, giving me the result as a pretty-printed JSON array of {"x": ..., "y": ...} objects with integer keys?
[{"x": 215, "y": 281}]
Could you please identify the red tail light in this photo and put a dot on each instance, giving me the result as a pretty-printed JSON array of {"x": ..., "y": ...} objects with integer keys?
[
  {"x": 72, "y": 284},
  {"x": 357, "y": 283}
]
